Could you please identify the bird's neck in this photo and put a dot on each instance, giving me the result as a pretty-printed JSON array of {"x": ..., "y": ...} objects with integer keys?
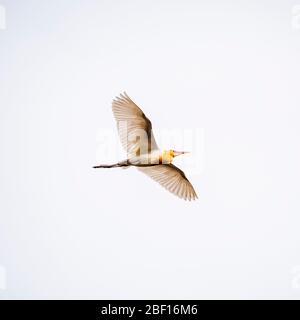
[{"x": 166, "y": 156}]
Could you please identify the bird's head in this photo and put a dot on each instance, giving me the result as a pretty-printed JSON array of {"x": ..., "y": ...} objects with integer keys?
[{"x": 168, "y": 155}]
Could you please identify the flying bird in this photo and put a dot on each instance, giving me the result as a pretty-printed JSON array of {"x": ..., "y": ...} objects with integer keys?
[{"x": 135, "y": 132}]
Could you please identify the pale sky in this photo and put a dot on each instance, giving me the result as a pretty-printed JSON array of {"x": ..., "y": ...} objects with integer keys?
[{"x": 228, "y": 68}]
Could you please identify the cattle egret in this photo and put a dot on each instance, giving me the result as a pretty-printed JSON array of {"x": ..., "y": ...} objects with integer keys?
[{"x": 135, "y": 131}]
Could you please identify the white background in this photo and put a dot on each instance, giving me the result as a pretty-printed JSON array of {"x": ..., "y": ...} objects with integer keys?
[{"x": 230, "y": 67}]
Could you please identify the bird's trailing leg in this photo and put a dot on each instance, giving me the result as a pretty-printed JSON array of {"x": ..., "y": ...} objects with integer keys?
[{"x": 115, "y": 165}]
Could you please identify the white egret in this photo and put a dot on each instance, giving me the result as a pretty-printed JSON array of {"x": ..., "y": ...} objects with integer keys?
[{"x": 135, "y": 131}]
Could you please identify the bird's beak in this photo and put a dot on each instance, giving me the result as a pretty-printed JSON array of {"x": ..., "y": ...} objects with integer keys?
[{"x": 178, "y": 153}]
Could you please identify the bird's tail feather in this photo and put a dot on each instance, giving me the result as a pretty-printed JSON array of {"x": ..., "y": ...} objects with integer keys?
[{"x": 115, "y": 165}]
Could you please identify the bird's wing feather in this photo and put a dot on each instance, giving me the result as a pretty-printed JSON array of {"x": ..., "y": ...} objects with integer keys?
[
  {"x": 171, "y": 178},
  {"x": 135, "y": 129}
]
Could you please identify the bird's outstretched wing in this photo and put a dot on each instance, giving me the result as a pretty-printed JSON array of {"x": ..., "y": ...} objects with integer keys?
[
  {"x": 135, "y": 129},
  {"x": 171, "y": 178}
]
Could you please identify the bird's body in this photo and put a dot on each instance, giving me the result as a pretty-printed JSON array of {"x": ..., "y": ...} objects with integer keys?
[
  {"x": 153, "y": 158},
  {"x": 135, "y": 131},
  {"x": 144, "y": 160}
]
